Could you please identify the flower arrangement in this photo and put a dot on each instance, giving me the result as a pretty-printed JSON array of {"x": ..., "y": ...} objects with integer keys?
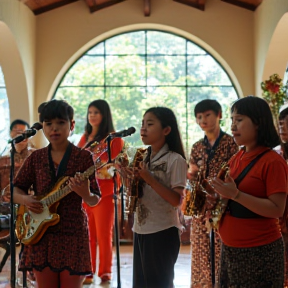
[{"x": 274, "y": 92}]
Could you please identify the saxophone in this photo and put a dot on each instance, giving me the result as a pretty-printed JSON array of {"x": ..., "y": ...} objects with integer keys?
[
  {"x": 195, "y": 202},
  {"x": 127, "y": 163},
  {"x": 218, "y": 210},
  {"x": 195, "y": 197},
  {"x": 137, "y": 183}
]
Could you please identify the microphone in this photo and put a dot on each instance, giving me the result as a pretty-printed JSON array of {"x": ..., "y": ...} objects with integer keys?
[
  {"x": 27, "y": 133},
  {"x": 123, "y": 133}
]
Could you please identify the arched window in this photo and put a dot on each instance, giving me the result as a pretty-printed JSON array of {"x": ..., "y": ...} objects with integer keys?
[
  {"x": 4, "y": 114},
  {"x": 140, "y": 69}
]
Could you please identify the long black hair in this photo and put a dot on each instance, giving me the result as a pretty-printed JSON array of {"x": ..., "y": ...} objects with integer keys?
[
  {"x": 258, "y": 110},
  {"x": 106, "y": 125},
  {"x": 167, "y": 118}
]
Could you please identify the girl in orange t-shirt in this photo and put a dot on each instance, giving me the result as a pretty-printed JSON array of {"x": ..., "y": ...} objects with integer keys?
[
  {"x": 253, "y": 251},
  {"x": 101, "y": 217}
]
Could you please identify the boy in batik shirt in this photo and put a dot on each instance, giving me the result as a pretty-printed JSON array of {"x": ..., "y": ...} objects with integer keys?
[{"x": 207, "y": 156}]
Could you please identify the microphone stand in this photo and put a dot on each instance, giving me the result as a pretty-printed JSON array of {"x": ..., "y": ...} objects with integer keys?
[
  {"x": 212, "y": 256},
  {"x": 12, "y": 224},
  {"x": 115, "y": 197}
]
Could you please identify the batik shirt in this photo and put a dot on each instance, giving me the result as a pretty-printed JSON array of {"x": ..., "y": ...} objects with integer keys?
[
  {"x": 209, "y": 160},
  {"x": 5, "y": 166}
]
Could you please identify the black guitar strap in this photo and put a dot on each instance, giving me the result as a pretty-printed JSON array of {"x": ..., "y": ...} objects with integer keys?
[
  {"x": 236, "y": 209},
  {"x": 62, "y": 166}
]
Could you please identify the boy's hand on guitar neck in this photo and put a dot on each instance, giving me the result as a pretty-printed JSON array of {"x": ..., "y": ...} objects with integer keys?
[
  {"x": 32, "y": 203},
  {"x": 82, "y": 188}
]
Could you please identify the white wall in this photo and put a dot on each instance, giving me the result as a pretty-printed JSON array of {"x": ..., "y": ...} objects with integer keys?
[
  {"x": 267, "y": 17},
  {"x": 17, "y": 57}
]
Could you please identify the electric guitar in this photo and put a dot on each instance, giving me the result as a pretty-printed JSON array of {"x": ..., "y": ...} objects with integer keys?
[{"x": 31, "y": 226}]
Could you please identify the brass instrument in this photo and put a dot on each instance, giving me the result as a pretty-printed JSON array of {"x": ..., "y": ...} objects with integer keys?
[
  {"x": 128, "y": 162},
  {"x": 196, "y": 203},
  {"x": 218, "y": 209},
  {"x": 195, "y": 197}
]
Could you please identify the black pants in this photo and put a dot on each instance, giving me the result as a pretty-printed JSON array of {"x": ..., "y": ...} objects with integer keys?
[{"x": 154, "y": 258}]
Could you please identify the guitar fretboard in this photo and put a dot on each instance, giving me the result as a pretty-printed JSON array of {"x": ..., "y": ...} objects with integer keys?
[{"x": 56, "y": 196}]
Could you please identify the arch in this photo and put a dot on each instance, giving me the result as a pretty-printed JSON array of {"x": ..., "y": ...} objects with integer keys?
[
  {"x": 14, "y": 75},
  {"x": 194, "y": 70},
  {"x": 143, "y": 26},
  {"x": 278, "y": 48}
]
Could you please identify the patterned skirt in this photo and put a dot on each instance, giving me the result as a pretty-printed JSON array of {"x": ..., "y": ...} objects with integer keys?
[
  {"x": 200, "y": 255},
  {"x": 255, "y": 267}
]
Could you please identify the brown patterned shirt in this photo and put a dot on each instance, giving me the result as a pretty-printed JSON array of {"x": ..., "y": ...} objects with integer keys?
[
  {"x": 5, "y": 166},
  {"x": 223, "y": 152}
]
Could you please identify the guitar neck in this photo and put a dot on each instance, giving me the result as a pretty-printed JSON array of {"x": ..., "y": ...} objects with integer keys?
[
  {"x": 56, "y": 196},
  {"x": 60, "y": 193}
]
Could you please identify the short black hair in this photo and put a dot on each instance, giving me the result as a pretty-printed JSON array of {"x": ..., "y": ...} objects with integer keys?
[
  {"x": 283, "y": 114},
  {"x": 207, "y": 104},
  {"x": 55, "y": 109},
  {"x": 18, "y": 122},
  {"x": 258, "y": 110}
]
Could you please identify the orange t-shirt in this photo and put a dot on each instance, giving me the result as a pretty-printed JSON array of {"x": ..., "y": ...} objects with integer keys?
[{"x": 268, "y": 176}]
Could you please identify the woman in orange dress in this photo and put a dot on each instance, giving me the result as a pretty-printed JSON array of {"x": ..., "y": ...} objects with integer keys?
[{"x": 101, "y": 217}]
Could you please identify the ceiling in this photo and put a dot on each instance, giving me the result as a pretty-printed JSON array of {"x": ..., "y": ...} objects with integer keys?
[{"x": 42, "y": 6}]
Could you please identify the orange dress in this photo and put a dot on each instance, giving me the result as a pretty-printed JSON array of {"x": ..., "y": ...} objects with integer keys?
[{"x": 101, "y": 216}]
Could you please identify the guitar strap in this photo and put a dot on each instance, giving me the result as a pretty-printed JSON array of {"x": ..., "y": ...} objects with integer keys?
[{"x": 62, "y": 166}]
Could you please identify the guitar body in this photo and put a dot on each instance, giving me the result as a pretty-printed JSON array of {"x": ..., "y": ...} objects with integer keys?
[
  {"x": 30, "y": 226},
  {"x": 37, "y": 224}
]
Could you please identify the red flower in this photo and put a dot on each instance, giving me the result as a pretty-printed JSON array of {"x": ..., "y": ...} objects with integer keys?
[{"x": 272, "y": 87}]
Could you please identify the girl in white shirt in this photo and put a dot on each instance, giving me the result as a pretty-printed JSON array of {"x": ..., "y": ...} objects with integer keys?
[{"x": 156, "y": 223}]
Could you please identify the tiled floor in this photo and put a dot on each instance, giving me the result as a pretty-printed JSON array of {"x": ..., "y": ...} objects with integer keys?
[{"x": 182, "y": 271}]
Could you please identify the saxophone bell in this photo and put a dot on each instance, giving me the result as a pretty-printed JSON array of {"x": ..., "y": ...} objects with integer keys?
[{"x": 195, "y": 195}]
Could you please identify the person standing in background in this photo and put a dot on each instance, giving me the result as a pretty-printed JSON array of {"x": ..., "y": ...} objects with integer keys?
[
  {"x": 283, "y": 150},
  {"x": 101, "y": 217},
  {"x": 207, "y": 156},
  {"x": 22, "y": 151}
]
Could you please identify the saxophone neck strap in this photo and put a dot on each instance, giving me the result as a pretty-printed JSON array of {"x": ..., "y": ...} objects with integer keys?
[{"x": 245, "y": 171}]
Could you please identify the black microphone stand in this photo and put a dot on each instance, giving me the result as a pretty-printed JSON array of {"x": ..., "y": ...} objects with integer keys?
[
  {"x": 12, "y": 235},
  {"x": 115, "y": 197},
  {"x": 212, "y": 256},
  {"x": 12, "y": 224}
]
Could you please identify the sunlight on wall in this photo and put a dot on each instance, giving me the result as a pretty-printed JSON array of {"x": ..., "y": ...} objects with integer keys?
[{"x": 4, "y": 114}]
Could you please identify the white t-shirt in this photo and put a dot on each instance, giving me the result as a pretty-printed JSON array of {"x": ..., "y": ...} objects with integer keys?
[{"x": 153, "y": 213}]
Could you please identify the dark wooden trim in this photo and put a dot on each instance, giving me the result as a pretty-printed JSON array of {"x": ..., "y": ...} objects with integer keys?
[
  {"x": 147, "y": 8},
  {"x": 104, "y": 5},
  {"x": 51, "y": 6},
  {"x": 199, "y": 5},
  {"x": 241, "y": 4}
]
